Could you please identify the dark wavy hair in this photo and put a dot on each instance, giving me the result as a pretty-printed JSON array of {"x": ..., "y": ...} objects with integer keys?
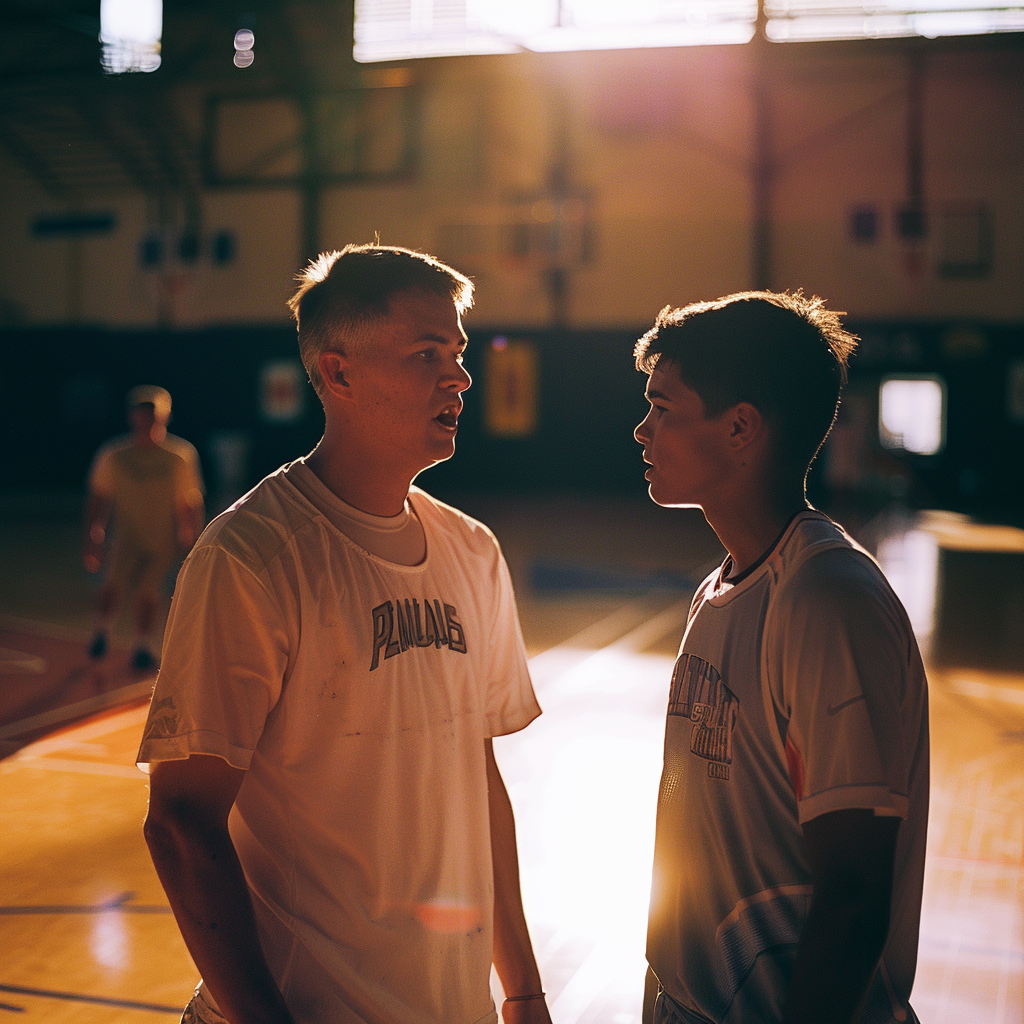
[{"x": 784, "y": 353}]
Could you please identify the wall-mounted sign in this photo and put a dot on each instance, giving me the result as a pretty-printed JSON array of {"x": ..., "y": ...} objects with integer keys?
[
  {"x": 510, "y": 388},
  {"x": 282, "y": 391}
]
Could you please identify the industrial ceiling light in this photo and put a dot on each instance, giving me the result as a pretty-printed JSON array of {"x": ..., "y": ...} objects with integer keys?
[
  {"x": 130, "y": 32},
  {"x": 245, "y": 40}
]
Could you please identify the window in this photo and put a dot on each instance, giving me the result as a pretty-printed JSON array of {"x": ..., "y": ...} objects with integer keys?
[
  {"x": 799, "y": 20},
  {"x": 399, "y": 29},
  {"x": 912, "y": 414},
  {"x": 130, "y": 33}
]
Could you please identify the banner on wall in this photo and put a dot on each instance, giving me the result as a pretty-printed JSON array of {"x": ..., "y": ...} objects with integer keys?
[
  {"x": 510, "y": 388},
  {"x": 282, "y": 391}
]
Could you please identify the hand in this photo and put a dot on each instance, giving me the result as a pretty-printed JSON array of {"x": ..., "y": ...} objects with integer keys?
[
  {"x": 91, "y": 557},
  {"x": 525, "y": 1011}
]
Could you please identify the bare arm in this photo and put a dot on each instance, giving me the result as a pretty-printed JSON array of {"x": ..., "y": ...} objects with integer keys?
[
  {"x": 94, "y": 530},
  {"x": 191, "y": 517},
  {"x": 513, "y": 952},
  {"x": 187, "y": 833},
  {"x": 851, "y": 855}
]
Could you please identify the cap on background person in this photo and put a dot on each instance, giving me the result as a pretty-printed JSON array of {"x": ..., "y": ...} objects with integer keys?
[{"x": 151, "y": 394}]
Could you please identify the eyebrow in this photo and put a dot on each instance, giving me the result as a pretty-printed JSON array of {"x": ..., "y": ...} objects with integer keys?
[
  {"x": 441, "y": 340},
  {"x": 653, "y": 393}
]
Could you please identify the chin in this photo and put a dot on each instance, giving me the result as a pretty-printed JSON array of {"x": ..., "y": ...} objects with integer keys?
[{"x": 669, "y": 500}]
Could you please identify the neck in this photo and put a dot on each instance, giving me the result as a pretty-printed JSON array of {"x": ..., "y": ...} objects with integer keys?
[
  {"x": 357, "y": 477},
  {"x": 749, "y": 524}
]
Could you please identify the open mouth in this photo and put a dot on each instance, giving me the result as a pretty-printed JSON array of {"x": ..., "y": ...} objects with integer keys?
[{"x": 449, "y": 418}]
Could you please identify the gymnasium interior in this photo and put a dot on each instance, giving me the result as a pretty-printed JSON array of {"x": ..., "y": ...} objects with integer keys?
[{"x": 167, "y": 168}]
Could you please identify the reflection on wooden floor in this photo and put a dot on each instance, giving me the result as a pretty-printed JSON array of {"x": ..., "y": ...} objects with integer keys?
[{"x": 87, "y": 937}]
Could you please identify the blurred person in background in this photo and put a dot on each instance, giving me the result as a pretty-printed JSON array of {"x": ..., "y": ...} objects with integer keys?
[
  {"x": 790, "y": 840},
  {"x": 326, "y": 814},
  {"x": 149, "y": 483}
]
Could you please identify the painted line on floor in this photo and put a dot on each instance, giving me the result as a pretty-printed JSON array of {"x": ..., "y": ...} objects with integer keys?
[
  {"x": 68, "y": 713},
  {"x": 991, "y": 691},
  {"x": 78, "y": 997},
  {"x": 131, "y": 908},
  {"x": 75, "y": 735},
  {"x": 57, "y": 764}
]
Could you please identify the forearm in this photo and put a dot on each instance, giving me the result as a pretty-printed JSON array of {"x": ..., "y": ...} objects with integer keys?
[
  {"x": 839, "y": 950},
  {"x": 207, "y": 891},
  {"x": 191, "y": 519},
  {"x": 513, "y": 952},
  {"x": 94, "y": 530}
]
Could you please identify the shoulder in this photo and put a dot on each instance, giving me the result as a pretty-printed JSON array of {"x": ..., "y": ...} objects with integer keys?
[
  {"x": 258, "y": 526},
  {"x": 180, "y": 447},
  {"x": 835, "y": 580},
  {"x": 112, "y": 448},
  {"x": 473, "y": 535}
]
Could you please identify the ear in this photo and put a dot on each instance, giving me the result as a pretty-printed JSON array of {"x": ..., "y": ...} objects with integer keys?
[
  {"x": 745, "y": 426},
  {"x": 334, "y": 372}
]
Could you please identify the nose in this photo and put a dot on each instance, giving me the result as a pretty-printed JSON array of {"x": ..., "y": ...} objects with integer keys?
[
  {"x": 458, "y": 380},
  {"x": 642, "y": 432}
]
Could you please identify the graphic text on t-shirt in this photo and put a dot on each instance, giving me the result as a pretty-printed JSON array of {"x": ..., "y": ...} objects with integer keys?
[
  {"x": 401, "y": 625},
  {"x": 699, "y": 694}
]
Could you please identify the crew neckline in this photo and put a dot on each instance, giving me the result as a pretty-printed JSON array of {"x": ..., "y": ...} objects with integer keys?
[
  {"x": 733, "y": 581},
  {"x": 379, "y": 524},
  {"x": 305, "y": 483}
]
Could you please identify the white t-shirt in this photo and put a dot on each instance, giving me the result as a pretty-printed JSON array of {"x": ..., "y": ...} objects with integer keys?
[
  {"x": 357, "y": 693},
  {"x": 798, "y": 690},
  {"x": 149, "y": 485}
]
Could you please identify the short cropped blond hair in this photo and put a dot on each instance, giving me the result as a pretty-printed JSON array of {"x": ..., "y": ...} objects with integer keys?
[{"x": 343, "y": 291}]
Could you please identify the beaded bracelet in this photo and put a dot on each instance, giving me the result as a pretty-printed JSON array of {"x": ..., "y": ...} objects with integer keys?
[{"x": 522, "y": 999}]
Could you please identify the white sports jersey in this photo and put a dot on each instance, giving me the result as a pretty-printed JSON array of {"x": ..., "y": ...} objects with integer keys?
[
  {"x": 148, "y": 485},
  {"x": 357, "y": 693},
  {"x": 798, "y": 690}
]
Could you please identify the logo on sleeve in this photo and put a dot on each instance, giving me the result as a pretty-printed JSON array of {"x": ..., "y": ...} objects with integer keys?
[
  {"x": 699, "y": 694},
  {"x": 398, "y": 626}
]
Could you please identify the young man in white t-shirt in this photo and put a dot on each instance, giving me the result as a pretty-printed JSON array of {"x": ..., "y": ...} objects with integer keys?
[
  {"x": 148, "y": 482},
  {"x": 326, "y": 815},
  {"x": 789, "y": 852}
]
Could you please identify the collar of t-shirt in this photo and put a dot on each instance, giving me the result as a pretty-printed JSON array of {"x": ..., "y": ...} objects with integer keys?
[
  {"x": 731, "y": 581},
  {"x": 399, "y": 539}
]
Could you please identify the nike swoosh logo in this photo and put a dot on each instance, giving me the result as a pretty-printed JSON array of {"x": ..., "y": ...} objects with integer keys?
[{"x": 836, "y": 708}]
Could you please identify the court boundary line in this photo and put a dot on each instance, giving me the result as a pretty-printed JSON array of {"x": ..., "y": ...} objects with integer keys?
[
  {"x": 70, "y": 712},
  {"x": 45, "y": 630},
  {"x": 80, "y": 997}
]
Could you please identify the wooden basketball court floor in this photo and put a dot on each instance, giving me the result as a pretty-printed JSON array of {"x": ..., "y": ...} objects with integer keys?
[{"x": 86, "y": 935}]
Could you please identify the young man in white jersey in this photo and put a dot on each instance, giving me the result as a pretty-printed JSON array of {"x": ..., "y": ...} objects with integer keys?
[
  {"x": 326, "y": 815},
  {"x": 789, "y": 852},
  {"x": 148, "y": 482}
]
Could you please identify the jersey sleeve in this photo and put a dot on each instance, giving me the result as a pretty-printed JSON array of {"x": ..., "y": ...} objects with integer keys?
[
  {"x": 510, "y": 701},
  {"x": 841, "y": 657},
  {"x": 101, "y": 473},
  {"x": 224, "y": 657}
]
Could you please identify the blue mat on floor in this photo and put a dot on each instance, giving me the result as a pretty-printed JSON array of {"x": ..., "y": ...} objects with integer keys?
[{"x": 556, "y": 577}]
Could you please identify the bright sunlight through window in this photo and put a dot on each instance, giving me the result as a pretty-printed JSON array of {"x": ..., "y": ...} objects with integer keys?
[
  {"x": 130, "y": 33},
  {"x": 800, "y": 20},
  {"x": 912, "y": 414},
  {"x": 399, "y": 29}
]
